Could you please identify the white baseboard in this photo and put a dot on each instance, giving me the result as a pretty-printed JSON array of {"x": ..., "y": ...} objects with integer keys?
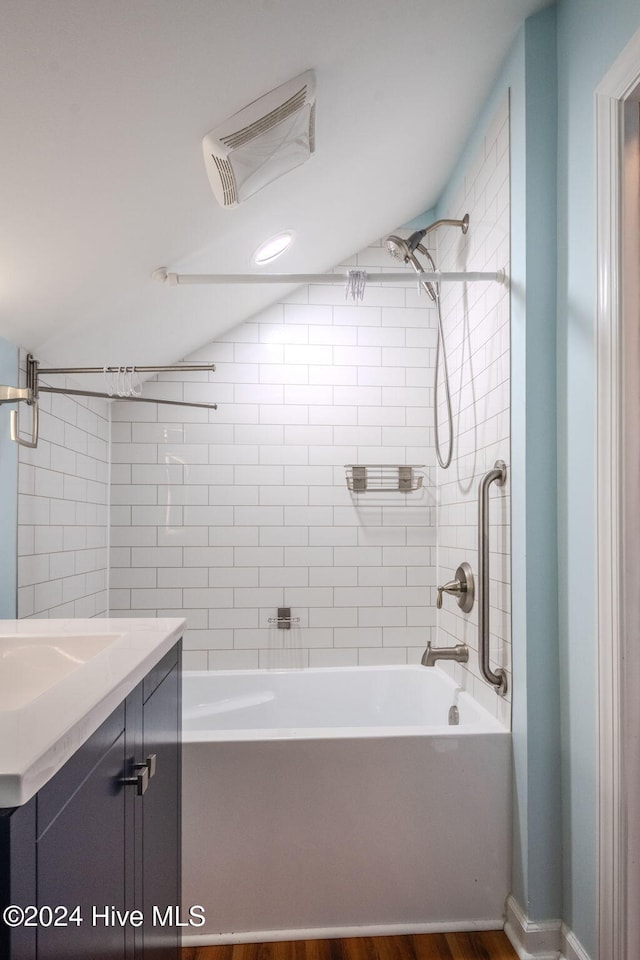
[
  {"x": 572, "y": 949},
  {"x": 548, "y": 940},
  {"x": 532, "y": 940},
  {"x": 328, "y": 933}
]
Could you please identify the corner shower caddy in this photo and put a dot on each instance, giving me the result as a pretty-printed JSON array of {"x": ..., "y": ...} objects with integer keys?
[{"x": 31, "y": 392}]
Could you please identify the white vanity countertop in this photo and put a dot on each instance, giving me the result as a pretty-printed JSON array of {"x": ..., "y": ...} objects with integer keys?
[{"x": 59, "y": 680}]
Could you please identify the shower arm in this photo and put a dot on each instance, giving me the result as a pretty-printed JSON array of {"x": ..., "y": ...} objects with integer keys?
[{"x": 463, "y": 224}]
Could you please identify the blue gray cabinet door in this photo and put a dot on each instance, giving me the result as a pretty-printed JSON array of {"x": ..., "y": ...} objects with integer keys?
[
  {"x": 161, "y": 821},
  {"x": 81, "y": 866},
  {"x": 90, "y": 842}
]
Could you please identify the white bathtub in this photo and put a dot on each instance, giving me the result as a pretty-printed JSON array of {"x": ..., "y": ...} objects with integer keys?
[{"x": 333, "y": 802}]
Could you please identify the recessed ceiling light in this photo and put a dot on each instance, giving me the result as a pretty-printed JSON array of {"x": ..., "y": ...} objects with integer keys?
[{"x": 273, "y": 247}]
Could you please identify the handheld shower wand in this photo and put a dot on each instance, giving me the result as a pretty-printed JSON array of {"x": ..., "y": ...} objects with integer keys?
[{"x": 404, "y": 250}]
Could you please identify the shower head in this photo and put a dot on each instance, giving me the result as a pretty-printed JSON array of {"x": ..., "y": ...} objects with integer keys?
[
  {"x": 403, "y": 250},
  {"x": 398, "y": 248}
]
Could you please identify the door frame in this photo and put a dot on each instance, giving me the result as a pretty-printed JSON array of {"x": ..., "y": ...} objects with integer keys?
[{"x": 618, "y": 449}]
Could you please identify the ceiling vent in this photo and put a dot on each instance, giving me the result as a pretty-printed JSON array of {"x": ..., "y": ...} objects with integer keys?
[{"x": 263, "y": 141}]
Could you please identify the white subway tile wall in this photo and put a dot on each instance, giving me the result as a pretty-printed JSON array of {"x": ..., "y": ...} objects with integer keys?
[
  {"x": 226, "y": 516},
  {"x": 477, "y": 331},
  {"x": 63, "y": 509}
]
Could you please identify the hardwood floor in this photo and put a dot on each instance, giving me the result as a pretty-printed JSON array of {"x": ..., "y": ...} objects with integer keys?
[{"x": 486, "y": 945}]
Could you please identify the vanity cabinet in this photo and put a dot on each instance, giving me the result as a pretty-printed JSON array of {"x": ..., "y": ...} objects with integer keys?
[{"x": 101, "y": 839}]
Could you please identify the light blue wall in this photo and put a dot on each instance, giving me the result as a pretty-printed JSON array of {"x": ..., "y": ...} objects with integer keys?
[
  {"x": 591, "y": 35},
  {"x": 529, "y": 78},
  {"x": 553, "y": 273},
  {"x": 537, "y": 711},
  {"x": 8, "y": 488}
]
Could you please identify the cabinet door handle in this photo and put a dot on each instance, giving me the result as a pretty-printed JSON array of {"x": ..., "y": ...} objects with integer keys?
[
  {"x": 140, "y": 781},
  {"x": 151, "y": 764}
]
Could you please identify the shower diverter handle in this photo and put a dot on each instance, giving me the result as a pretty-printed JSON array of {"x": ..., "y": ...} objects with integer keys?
[
  {"x": 454, "y": 587},
  {"x": 462, "y": 588}
]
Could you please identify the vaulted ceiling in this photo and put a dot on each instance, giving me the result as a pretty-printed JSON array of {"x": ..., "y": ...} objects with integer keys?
[{"x": 103, "y": 106}]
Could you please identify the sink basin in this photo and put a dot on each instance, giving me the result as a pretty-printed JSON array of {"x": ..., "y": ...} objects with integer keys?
[
  {"x": 30, "y": 665},
  {"x": 59, "y": 680}
]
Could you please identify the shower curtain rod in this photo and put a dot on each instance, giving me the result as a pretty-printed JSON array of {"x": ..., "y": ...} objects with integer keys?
[{"x": 437, "y": 276}]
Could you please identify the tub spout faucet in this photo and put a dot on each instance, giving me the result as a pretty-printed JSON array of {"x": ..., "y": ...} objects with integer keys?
[{"x": 460, "y": 653}]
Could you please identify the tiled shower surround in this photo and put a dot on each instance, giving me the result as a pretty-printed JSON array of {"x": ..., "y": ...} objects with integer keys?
[
  {"x": 224, "y": 516},
  {"x": 63, "y": 509},
  {"x": 231, "y": 514},
  {"x": 477, "y": 330}
]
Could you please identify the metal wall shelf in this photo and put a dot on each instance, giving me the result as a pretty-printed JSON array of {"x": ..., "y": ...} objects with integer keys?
[{"x": 383, "y": 477}]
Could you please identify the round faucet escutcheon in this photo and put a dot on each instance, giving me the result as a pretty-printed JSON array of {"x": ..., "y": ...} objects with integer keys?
[{"x": 462, "y": 587}]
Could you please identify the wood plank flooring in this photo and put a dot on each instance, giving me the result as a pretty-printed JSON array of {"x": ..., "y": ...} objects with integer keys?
[{"x": 486, "y": 945}]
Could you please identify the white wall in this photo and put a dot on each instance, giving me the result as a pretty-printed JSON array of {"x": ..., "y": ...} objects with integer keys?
[
  {"x": 226, "y": 516},
  {"x": 476, "y": 320},
  {"x": 63, "y": 496}
]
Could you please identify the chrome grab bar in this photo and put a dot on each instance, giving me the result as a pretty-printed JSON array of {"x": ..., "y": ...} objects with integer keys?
[{"x": 497, "y": 678}]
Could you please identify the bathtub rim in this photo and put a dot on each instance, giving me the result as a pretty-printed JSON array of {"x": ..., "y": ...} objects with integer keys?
[{"x": 488, "y": 724}]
